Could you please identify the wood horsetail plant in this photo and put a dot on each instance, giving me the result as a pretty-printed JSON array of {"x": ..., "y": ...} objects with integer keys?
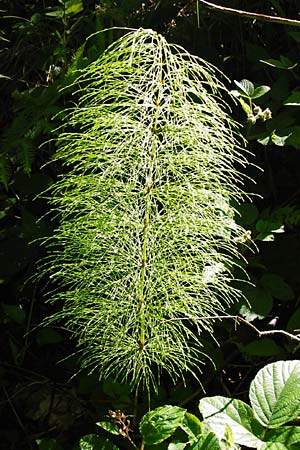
[{"x": 146, "y": 241}]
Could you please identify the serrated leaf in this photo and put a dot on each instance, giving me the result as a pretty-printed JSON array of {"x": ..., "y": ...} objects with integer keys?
[
  {"x": 161, "y": 423},
  {"x": 274, "y": 446},
  {"x": 277, "y": 287},
  {"x": 262, "y": 347},
  {"x": 207, "y": 442},
  {"x": 95, "y": 442},
  {"x": 110, "y": 427},
  {"x": 287, "y": 435},
  {"x": 191, "y": 425},
  {"x": 275, "y": 393},
  {"x": 260, "y": 91},
  {"x": 219, "y": 412},
  {"x": 245, "y": 87},
  {"x": 293, "y": 99}
]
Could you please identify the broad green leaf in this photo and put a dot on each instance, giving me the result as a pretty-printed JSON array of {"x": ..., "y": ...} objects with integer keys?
[
  {"x": 207, "y": 442},
  {"x": 191, "y": 425},
  {"x": 245, "y": 87},
  {"x": 161, "y": 423},
  {"x": 266, "y": 229},
  {"x": 293, "y": 99},
  {"x": 265, "y": 237},
  {"x": 73, "y": 7},
  {"x": 110, "y": 427},
  {"x": 280, "y": 141},
  {"x": 95, "y": 442},
  {"x": 277, "y": 287},
  {"x": 265, "y": 138},
  {"x": 248, "y": 214},
  {"x": 267, "y": 226},
  {"x": 235, "y": 93},
  {"x": 287, "y": 435},
  {"x": 219, "y": 412},
  {"x": 260, "y": 91},
  {"x": 260, "y": 303},
  {"x": 262, "y": 347},
  {"x": 274, "y": 446},
  {"x": 275, "y": 393},
  {"x": 177, "y": 445}
]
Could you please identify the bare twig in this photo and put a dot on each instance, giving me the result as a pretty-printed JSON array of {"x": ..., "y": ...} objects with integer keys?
[
  {"x": 245, "y": 14},
  {"x": 19, "y": 421},
  {"x": 294, "y": 337}
]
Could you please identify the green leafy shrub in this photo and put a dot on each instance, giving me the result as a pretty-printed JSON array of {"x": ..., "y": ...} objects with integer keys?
[
  {"x": 275, "y": 401},
  {"x": 146, "y": 241},
  {"x": 227, "y": 423}
]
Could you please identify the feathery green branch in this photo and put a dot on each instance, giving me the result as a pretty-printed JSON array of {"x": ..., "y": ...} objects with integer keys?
[{"x": 146, "y": 228}]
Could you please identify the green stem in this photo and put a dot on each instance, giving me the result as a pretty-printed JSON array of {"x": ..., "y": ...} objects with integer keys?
[{"x": 148, "y": 191}]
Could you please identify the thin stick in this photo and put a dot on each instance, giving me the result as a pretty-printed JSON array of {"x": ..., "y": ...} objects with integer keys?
[
  {"x": 240, "y": 319},
  {"x": 15, "y": 412},
  {"x": 245, "y": 14}
]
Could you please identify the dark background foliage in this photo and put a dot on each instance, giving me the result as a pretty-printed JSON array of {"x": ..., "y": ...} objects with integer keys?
[{"x": 41, "y": 45}]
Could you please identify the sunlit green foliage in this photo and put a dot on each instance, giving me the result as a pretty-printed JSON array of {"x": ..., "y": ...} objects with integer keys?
[{"x": 147, "y": 238}]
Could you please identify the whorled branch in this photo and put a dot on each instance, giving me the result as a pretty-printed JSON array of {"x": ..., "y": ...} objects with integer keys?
[{"x": 146, "y": 229}]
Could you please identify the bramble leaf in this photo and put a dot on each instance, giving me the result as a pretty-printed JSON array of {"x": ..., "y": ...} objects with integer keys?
[
  {"x": 275, "y": 393},
  {"x": 245, "y": 87},
  {"x": 220, "y": 412},
  {"x": 161, "y": 423}
]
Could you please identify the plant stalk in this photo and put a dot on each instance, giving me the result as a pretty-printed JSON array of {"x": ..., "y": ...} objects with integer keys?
[{"x": 148, "y": 191}]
